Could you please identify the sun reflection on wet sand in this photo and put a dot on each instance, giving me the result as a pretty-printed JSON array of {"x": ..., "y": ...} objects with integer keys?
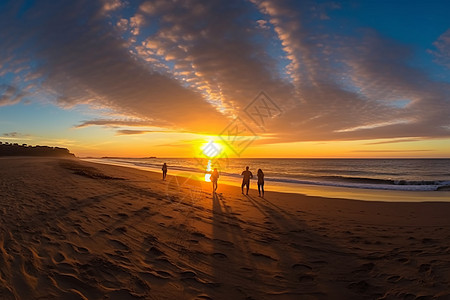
[{"x": 208, "y": 169}]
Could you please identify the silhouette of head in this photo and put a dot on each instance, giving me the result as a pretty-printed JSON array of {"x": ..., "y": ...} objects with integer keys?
[{"x": 246, "y": 168}]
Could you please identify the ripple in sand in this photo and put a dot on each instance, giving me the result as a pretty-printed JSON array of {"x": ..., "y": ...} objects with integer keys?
[
  {"x": 305, "y": 278},
  {"x": 219, "y": 256},
  {"x": 256, "y": 254},
  {"x": 121, "y": 229},
  {"x": 301, "y": 267},
  {"x": 154, "y": 251},
  {"x": 119, "y": 245},
  {"x": 223, "y": 242},
  {"x": 424, "y": 268},
  {"x": 59, "y": 257},
  {"x": 393, "y": 279}
]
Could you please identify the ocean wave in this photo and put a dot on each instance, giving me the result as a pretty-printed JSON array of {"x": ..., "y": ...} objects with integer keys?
[
  {"x": 370, "y": 183},
  {"x": 308, "y": 179}
]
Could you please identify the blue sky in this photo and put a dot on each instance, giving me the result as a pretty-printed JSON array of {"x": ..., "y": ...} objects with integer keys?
[{"x": 84, "y": 74}]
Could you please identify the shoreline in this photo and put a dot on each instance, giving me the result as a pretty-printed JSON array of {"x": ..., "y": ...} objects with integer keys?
[
  {"x": 78, "y": 230},
  {"x": 361, "y": 194}
]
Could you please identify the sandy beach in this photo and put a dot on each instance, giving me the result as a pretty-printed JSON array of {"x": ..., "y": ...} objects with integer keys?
[{"x": 76, "y": 230}]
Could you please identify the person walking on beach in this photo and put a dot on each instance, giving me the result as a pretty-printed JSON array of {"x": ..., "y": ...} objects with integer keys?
[
  {"x": 164, "y": 170},
  {"x": 260, "y": 175},
  {"x": 214, "y": 177},
  {"x": 247, "y": 175}
]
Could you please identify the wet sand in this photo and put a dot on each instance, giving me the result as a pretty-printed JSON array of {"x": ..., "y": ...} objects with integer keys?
[{"x": 77, "y": 230}]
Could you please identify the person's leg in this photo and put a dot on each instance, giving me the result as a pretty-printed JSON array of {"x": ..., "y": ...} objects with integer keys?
[
  {"x": 262, "y": 189},
  {"x": 242, "y": 186},
  {"x": 248, "y": 186},
  {"x": 259, "y": 189}
]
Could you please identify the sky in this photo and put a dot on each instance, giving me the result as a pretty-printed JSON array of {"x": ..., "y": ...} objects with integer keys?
[{"x": 260, "y": 78}]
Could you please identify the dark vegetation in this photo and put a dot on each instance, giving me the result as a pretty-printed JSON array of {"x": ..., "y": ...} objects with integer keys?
[{"x": 8, "y": 149}]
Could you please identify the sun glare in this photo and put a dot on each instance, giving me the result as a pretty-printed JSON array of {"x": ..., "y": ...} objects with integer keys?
[{"x": 211, "y": 149}]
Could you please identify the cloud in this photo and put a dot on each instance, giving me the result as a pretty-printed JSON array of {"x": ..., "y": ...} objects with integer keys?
[
  {"x": 133, "y": 132},
  {"x": 394, "y": 141},
  {"x": 115, "y": 123},
  {"x": 194, "y": 65},
  {"x": 349, "y": 86},
  {"x": 219, "y": 57},
  {"x": 10, "y": 95},
  {"x": 90, "y": 63},
  {"x": 11, "y": 134},
  {"x": 442, "y": 52},
  {"x": 392, "y": 151}
]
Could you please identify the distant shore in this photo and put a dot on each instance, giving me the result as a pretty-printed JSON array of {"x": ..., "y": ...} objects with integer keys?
[{"x": 79, "y": 230}]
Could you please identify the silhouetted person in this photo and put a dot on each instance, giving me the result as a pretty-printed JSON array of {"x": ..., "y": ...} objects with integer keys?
[
  {"x": 214, "y": 177},
  {"x": 246, "y": 179},
  {"x": 164, "y": 169},
  {"x": 260, "y": 175}
]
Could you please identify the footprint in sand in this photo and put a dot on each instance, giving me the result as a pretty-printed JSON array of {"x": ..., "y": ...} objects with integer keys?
[
  {"x": 367, "y": 267},
  {"x": 164, "y": 274},
  {"x": 403, "y": 260},
  {"x": 154, "y": 251},
  {"x": 188, "y": 274},
  {"x": 80, "y": 249},
  {"x": 118, "y": 245},
  {"x": 267, "y": 257},
  {"x": 122, "y": 215},
  {"x": 305, "y": 278},
  {"x": 224, "y": 243},
  {"x": 219, "y": 256},
  {"x": 301, "y": 267},
  {"x": 198, "y": 234},
  {"x": 360, "y": 286},
  {"x": 59, "y": 257},
  {"x": 203, "y": 297},
  {"x": 424, "y": 268},
  {"x": 393, "y": 279},
  {"x": 245, "y": 269},
  {"x": 150, "y": 239},
  {"x": 121, "y": 229}
]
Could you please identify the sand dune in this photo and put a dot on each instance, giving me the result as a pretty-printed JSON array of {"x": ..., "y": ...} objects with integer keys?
[{"x": 77, "y": 230}]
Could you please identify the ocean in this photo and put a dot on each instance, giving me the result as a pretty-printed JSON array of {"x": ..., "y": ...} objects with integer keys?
[{"x": 374, "y": 174}]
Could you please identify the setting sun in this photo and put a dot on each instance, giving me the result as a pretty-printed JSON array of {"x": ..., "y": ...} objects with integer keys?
[{"x": 212, "y": 149}]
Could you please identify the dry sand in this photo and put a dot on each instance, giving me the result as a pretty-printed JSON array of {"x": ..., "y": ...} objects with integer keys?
[{"x": 77, "y": 230}]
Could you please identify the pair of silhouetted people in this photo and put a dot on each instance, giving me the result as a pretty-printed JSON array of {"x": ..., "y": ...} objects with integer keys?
[
  {"x": 247, "y": 175},
  {"x": 164, "y": 170}
]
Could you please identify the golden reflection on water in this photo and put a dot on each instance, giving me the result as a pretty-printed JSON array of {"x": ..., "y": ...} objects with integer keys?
[{"x": 208, "y": 169}]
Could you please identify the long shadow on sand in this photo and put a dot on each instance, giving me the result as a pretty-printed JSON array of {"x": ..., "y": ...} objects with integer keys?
[{"x": 283, "y": 257}]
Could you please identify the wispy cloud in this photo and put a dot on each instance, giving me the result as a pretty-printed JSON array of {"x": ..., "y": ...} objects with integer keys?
[
  {"x": 136, "y": 132},
  {"x": 442, "y": 52},
  {"x": 10, "y": 95}
]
